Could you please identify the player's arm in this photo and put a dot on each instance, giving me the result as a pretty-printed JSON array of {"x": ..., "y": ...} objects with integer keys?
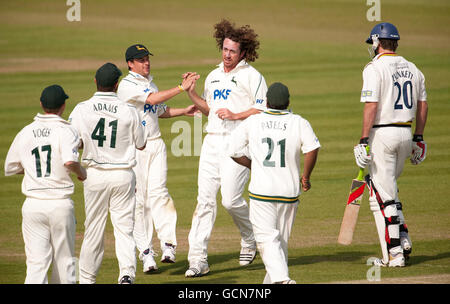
[
  {"x": 419, "y": 147},
  {"x": 238, "y": 147},
  {"x": 421, "y": 117},
  {"x": 243, "y": 161},
  {"x": 361, "y": 150},
  {"x": 198, "y": 101},
  {"x": 227, "y": 114},
  {"x": 13, "y": 164},
  {"x": 162, "y": 96},
  {"x": 76, "y": 168},
  {"x": 369, "y": 114},
  {"x": 140, "y": 141},
  {"x": 258, "y": 89},
  {"x": 174, "y": 112},
  {"x": 309, "y": 162}
]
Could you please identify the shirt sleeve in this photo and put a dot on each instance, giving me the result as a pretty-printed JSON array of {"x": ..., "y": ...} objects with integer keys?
[
  {"x": 13, "y": 164},
  {"x": 259, "y": 90},
  {"x": 74, "y": 119},
  {"x": 139, "y": 131},
  {"x": 371, "y": 85},
  {"x": 134, "y": 93},
  {"x": 206, "y": 91},
  {"x": 69, "y": 143},
  {"x": 310, "y": 141},
  {"x": 238, "y": 141},
  {"x": 422, "y": 91},
  {"x": 162, "y": 108}
]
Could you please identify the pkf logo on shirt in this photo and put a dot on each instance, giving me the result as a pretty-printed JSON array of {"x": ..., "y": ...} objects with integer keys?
[
  {"x": 219, "y": 94},
  {"x": 151, "y": 108}
]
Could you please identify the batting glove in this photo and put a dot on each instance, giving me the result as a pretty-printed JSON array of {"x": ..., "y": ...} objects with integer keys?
[
  {"x": 362, "y": 155},
  {"x": 419, "y": 150}
]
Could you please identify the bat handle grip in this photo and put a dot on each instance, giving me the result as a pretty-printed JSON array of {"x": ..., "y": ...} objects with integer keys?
[{"x": 360, "y": 174}]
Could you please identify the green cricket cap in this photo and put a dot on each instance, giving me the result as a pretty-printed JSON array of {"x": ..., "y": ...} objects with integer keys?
[
  {"x": 107, "y": 75},
  {"x": 278, "y": 96},
  {"x": 136, "y": 51},
  {"x": 53, "y": 97}
]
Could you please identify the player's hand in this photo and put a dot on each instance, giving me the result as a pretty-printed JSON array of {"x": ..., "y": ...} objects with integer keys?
[
  {"x": 83, "y": 175},
  {"x": 191, "y": 110},
  {"x": 306, "y": 184},
  {"x": 225, "y": 114},
  {"x": 187, "y": 74},
  {"x": 189, "y": 79},
  {"x": 419, "y": 150},
  {"x": 362, "y": 155}
]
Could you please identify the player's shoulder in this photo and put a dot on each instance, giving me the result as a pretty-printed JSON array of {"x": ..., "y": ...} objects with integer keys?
[
  {"x": 250, "y": 68},
  {"x": 81, "y": 106},
  {"x": 257, "y": 116},
  {"x": 27, "y": 128},
  {"x": 65, "y": 130},
  {"x": 299, "y": 119},
  {"x": 214, "y": 72},
  {"x": 369, "y": 66},
  {"x": 129, "y": 80},
  {"x": 410, "y": 63},
  {"x": 247, "y": 70}
]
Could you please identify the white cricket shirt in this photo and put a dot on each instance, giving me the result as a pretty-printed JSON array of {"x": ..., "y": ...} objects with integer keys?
[
  {"x": 110, "y": 130},
  {"x": 274, "y": 139},
  {"x": 396, "y": 84},
  {"x": 134, "y": 89},
  {"x": 238, "y": 90},
  {"x": 41, "y": 149}
]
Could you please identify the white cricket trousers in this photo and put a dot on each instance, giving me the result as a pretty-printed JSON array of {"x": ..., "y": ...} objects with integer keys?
[
  {"x": 217, "y": 170},
  {"x": 48, "y": 229},
  {"x": 105, "y": 190},
  {"x": 154, "y": 205},
  {"x": 272, "y": 225},
  {"x": 390, "y": 147}
]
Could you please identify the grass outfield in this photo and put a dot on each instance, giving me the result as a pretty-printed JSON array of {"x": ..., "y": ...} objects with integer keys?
[{"x": 315, "y": 47}]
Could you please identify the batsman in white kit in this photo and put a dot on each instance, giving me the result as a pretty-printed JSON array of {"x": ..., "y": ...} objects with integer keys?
[
  {"x": 154, "y": 205},
  {"x": 394, "y": 96},
  {"x": 46, "y": 151},
  {"x": 233, "y": 91},
  {"x": 110, "y": 131},
  {"x": 270, "y": 145}
]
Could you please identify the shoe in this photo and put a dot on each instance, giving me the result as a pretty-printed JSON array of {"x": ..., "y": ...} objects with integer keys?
[
  {"x": 379, "y": 263},
  {"x": 149, "y": 261},
  {"x": 197, "y": 269},
  {"x": 398, "y": 261},
  {"x": 405, "y": 242},
  {"x": 168, "y": 255},
  {"x": 247, "y": 256},
  {"x": 125, "y": 280}
]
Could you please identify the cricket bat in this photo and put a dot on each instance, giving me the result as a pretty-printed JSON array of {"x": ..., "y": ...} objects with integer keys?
[{"x": 351, "y": 210}]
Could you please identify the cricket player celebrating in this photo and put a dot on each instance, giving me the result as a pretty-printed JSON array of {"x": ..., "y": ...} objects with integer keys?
[
  {"x": 232, "y": 92},
  {"x": 154, "y": 205},
  {"x": 111, "y": 132},
  {"x": 274, "y": 140},
  {"x": 46, "y": 151},
  {"x": 394, "y": 95}
]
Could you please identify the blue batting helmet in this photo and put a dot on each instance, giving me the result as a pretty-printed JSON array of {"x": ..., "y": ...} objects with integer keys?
[{"x": 384, "y": 30}]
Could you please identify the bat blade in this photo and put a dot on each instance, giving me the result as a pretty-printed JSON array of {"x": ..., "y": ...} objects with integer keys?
[{"x": 351, "y": 211}]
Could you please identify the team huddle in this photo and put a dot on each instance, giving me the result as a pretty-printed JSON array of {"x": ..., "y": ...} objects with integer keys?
[{"x": 251, "y": 134}]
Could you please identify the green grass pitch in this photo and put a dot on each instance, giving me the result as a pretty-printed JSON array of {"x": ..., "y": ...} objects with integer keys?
[{"x": 315, "y": 47}]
